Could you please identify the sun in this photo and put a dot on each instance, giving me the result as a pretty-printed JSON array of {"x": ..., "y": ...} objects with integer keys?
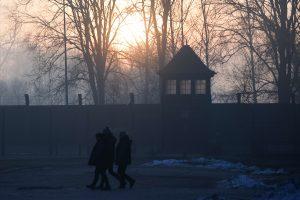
[{"x": 132, "y": 31}]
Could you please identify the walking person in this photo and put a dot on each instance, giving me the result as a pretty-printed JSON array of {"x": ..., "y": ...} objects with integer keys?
[
  {"x": 97, "y": 159},
  {"x": 123, "y": 159},
  {"x": 110, "y": 151}
]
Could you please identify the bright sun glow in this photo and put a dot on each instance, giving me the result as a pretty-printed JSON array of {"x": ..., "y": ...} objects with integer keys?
[{"x": 131, "y": 32}]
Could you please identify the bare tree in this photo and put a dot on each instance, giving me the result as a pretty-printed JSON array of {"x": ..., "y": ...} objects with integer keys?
[
  {"x": 92, "y": 28},
  {"x": 161, "y": 33},
  {"x": 143, "y": 7},
  {"x": 278, "y": 23},
  {"x": 243, "y": 27},
  {"x": 136, "y": 57},
  {"x": 8, "y": 39},
  {"x": 179, "y": 26},
  {"x": 250, "y": 33},
  {"x": 96, "y": 25},
  {"x": 209, "y": 35}
]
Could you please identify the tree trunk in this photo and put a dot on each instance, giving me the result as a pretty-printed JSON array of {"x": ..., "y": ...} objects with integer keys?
[
  {"x": 283, "y": 90},
  {"x": 147, "y": 25},
  {"x": 251, "y": 49},
  {"x": 283, "y": 39},
  {"x": 206, "y": 33},
  {"x": 100, "y": 71}
]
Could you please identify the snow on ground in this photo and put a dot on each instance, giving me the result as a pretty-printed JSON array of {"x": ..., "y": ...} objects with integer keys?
[
  {"x": 241, "y": 181},
  {"x": 268, "y": 171},
  {"x": 214, "y": 164},
  {"x": 245, "y": 177},
  {"x": 288, "y": 191},
  {"x": 168, "y": 162}
]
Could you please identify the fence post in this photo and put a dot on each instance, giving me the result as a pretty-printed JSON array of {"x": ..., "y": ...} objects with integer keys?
[
  {"x": 80, "y": 99},
  {"x": 131, "y": 96},
  {"x": 26, "y": 99},
  {"x": 239, "y": 98}
]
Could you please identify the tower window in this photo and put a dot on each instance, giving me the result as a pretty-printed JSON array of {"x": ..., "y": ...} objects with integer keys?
[
  {"x": 185, "y": 87},
  {"x": 171, "y": 87},
  {"x": 200, "y": 87}
]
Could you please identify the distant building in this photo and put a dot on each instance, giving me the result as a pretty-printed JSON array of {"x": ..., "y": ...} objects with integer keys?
[{"x": 186, "y": 79}]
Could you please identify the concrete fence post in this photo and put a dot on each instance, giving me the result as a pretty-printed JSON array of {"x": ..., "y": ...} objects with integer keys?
[
  {"x": 131, "y": 96},
  {"x": 80, "y": 99},
  {"x": 26, "y": 99},
  {"x": 239, "y": 98}
]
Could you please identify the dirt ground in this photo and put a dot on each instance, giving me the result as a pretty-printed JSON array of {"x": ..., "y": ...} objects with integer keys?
[{"x": 65, "y": 179}]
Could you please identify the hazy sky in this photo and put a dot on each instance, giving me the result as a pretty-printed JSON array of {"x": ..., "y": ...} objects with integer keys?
[
  {"x": 4, "y": 5},
  {"x": 132, "y": 30},
  {"x": 20, "y": 62}
]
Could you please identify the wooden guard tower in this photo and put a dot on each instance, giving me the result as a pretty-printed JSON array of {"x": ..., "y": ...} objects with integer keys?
[{"x": 186, "y": 80}]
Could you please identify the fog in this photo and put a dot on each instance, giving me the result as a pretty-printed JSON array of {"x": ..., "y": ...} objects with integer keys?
[{"x": 29, "y": 64}]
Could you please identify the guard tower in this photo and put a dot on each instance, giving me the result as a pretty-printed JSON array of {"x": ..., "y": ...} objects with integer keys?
[{"x": 186, "y": 80}]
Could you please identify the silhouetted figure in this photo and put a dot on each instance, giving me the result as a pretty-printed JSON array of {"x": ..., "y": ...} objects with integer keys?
[
  {"x": 123, "y": 159},
  {"x": 97, "y": 159},
  {"x": 110, "y": 141}
]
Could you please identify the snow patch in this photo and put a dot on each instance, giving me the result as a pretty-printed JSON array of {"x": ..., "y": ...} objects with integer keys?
[
  {"x": 241, "y": 181},
  {"x": 168, "y": 162},
  {"x": 288, "y": 191},
  {"x": 218, "y": 164},
  {"x": 268, "y": 171},
  {"x": 215, "y": 164}
]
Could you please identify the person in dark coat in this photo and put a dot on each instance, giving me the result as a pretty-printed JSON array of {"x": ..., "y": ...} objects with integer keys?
[
  {"x": 123, "y": 159},
  {"x": 110, "y": 151},
  {"x": 97, "y": 159}
]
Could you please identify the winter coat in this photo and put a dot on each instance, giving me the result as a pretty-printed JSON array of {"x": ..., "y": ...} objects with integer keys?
[
  {"x": 123, "y": 151},
  {"x": 110, "y": 142},
  {"x": 97, "y": 157}
]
